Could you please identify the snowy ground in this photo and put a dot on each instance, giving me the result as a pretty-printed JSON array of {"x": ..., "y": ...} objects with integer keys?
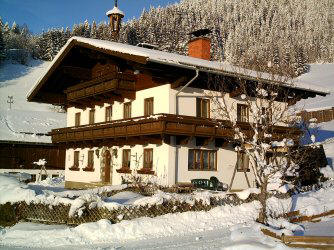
[
  {"x": 321, "y": 75},
  {"x": 228, "y": 227},
  {"x": 16, "y": 80},
  {"x": 224, "y": 227}
]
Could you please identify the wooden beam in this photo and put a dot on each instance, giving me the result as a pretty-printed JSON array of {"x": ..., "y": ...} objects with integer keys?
[
  {"x": 126, "y": 94},
  {"x": 178, "y": 82},
  {"x": 237, "y": 92},
  {"x": 183, "y": 140},
  {"x": 47, "y": 97},
  {"x": 77, "y": 72}
]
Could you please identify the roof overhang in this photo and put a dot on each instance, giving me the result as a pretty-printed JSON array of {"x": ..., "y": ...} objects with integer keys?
[{"x": 144, "y": 56}]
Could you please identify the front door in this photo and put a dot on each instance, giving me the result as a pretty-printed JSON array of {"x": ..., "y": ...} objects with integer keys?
[{"x": 107, "y": 166}]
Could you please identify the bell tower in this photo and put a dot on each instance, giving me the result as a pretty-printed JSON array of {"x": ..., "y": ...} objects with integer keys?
[{"x": 115, "y": 19}]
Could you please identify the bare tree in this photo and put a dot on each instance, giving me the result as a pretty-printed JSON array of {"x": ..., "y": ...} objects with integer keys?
[{"x": 262, "y": 124}]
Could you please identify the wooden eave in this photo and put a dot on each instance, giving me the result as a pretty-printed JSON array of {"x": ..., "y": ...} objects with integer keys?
[{"x": 59, "y": 98}]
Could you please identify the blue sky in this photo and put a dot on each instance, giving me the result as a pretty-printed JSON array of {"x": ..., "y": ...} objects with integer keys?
[{"x": 41, "y": 15}]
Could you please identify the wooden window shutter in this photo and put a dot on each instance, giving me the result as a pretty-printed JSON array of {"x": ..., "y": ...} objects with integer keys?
[
  {"x": 148, "y": 106},
  {"x": 76, "y": 159},
  {"x": 108, "y": 114},
  {"x": 90, "y": 158},
  {"x": 91, "y": 116},
  {"x": 198, "y": 107},
  {"x": 126, "y": 158},
  {"x": 148, "y": 158},
  {"x": 127, "y": 110},
  {"x": 77, "y": 119}
]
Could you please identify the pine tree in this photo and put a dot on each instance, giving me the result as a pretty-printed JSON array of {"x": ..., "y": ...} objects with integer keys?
[
  {"x": 2, "y": 44},
  {"x": 93, "y": 30},
  {"x": 15, "y": 28},
  {"x": 86, "y": 29}
]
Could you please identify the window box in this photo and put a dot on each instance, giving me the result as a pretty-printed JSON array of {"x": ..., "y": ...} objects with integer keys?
[
  {"x": 124, "y": 170},
  {"x": 146, "y": 171},
  {"x": 89, "y": 169},
  {"x": 74, "y": 168}
]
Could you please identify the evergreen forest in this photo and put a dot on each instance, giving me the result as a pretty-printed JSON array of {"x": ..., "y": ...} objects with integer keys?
[{"x": 280, "y": 34}]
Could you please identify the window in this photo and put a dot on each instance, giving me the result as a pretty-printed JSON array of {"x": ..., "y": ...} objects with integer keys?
[
  {"x": 148, "y": 106},
  {"x": 199, "y": 159},
  {"x": 242, "y": 113},
  {"x": 33, "y": 178},
  {"x": 76, "y": 159},
  {"x": 91, "y": 116},
  {"x": 90, "y": 159},
  {"x": 77, "y": 119},
  {"x": 108, "y": 113},
  {"x": 127, "y": 110},
  {"x": 202, "y": 108},
  {"x": 242, "y": 162},
  {"x": 266, "y": 115},
  {"x": 126, "y": 158},
  {"x": 148, "y": 158}
]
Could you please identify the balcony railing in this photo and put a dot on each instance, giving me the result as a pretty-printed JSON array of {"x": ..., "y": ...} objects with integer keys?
[
  {"x": 113, "y": 83},
  {"x": 159, "y": 124}
]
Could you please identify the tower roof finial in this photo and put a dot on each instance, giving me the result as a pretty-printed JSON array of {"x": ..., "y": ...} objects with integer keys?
[{"x": 116, "y": 5}]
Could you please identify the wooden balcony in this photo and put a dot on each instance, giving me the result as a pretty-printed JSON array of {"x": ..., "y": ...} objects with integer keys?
[
  {"x": 154, "y": 129},
  {"x": 114, "y": 86}
]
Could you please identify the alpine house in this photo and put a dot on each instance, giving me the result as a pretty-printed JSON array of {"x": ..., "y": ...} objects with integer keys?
[{"x": 139, "y": 111}]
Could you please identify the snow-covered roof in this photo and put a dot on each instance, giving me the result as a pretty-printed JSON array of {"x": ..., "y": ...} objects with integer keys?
[
  {"x": 115, "y": 10},
  {"x": 177, "y": 60}
]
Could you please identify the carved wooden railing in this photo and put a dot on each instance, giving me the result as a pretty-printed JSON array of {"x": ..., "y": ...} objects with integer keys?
[
  {"x": 114, "y": 81},
  {"x": 160, "y": 124}
]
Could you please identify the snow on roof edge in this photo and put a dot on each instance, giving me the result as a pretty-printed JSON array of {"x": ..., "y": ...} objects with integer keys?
[
  {"x": 115, "y": 10},
  {"x": 49, "y": 67},
  {"x": 178, "y": 60}
]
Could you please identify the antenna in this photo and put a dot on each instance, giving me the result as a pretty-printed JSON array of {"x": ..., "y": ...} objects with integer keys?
[{"x": 116, "y": 3}]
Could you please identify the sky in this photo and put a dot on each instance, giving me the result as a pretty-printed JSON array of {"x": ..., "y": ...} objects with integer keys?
[{"x": 41, "y": 15}]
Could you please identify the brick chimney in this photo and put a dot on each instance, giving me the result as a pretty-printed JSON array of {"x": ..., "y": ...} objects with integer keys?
[{"x": 200, "y": 46}]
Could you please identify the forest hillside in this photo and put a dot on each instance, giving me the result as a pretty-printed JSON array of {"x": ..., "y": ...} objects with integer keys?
[{"x": 285, "y": 34}]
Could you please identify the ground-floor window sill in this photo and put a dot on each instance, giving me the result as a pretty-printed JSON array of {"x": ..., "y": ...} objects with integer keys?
[
  {"x": 74, "y": 168},
  {"x": 240, "y": 171},
  {"x": 203, "y": 170},
  {"x": 88, "y": 169},
  {"x": 124, "y": 171},
  {"x": 145, "y": 171}
]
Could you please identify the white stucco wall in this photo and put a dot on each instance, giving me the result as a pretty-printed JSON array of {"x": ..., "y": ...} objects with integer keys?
[
  {"x": 226, "y": 160},
  {"x": 170, "y": 162}
]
